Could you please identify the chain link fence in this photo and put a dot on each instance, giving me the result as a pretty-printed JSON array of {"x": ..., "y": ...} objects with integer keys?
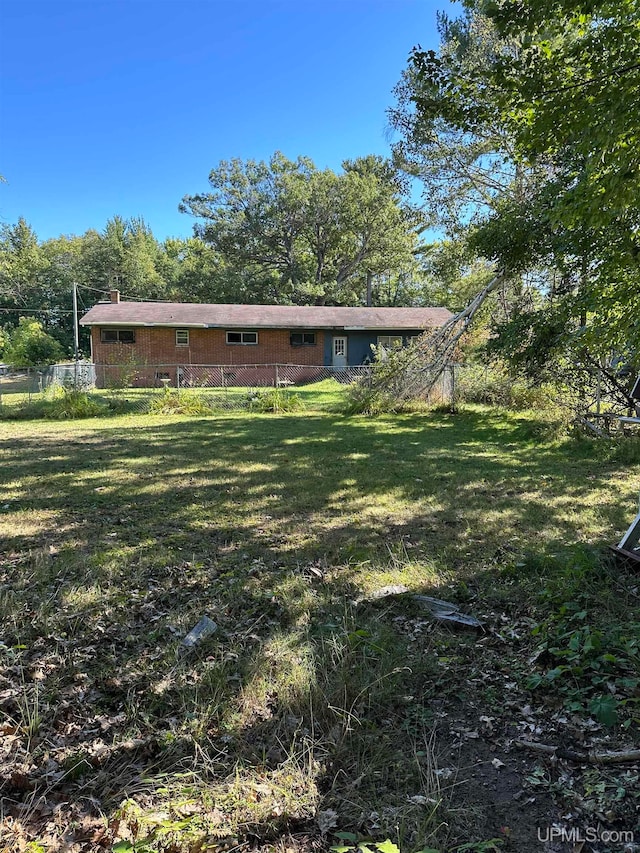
[
  {"x": 143, "y": 388},
  {"x": 20, "y": 383},
  {"x": 221, "y": 387},
  {"x": 219, "y": 376}
]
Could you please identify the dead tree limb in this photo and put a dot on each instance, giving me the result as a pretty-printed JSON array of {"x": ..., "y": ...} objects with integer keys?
[
  {"x": 415, "y": 371},
  {"x": 613, "y": 381},
  {"x": 624, "y": 757}
]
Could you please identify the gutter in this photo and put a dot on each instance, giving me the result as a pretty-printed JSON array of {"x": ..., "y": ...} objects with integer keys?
[
  {"x": 281, "y": 326},
  {"x": 139, "y": 325}
]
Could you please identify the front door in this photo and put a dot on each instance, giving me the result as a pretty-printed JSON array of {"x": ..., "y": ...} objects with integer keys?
[{"x": 340, "y": 352}]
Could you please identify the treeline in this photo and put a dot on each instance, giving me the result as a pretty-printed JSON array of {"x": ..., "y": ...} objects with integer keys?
[{"x": 277, "y": 232}]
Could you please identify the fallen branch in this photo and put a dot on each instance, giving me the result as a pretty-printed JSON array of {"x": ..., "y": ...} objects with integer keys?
[
  {"x": 587, "y": 423},
  {"x": 613, "y": 381},
  {"x": 416, "y": 369},
  {"x": 580, "y": 757}
]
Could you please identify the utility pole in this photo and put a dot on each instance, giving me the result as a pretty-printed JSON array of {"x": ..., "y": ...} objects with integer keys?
[
  {"x": 369, "y": 288},
  {"x": 76, "y": 342}
]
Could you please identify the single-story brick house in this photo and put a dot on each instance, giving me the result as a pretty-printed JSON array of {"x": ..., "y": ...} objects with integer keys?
[{"x": 174, "y": 334}]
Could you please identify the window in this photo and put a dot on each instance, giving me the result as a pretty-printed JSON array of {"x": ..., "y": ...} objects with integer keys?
[
  {"x": 303, "y": 339},
  {"x": 242, "y": 338},
  {"x": 182, "y": 337},
  {"x": 389, "y": 341},
  {"x": 117, "y": 336},
  {"x": 162, "y": 374}
]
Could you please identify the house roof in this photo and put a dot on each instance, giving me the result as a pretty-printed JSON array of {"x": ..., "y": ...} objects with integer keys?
[{"x": 191, "y": 315}]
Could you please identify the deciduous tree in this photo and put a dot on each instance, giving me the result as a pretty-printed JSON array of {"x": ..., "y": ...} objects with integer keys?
[
  {"x": 29, "y": 345},
  {"x": 306, "y": 235},
  {"x": 558, "y": 82}
]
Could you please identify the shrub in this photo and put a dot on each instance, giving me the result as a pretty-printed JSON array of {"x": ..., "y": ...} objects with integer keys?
[
  {"x": 71, "y": 403},
  {"x": 59, "y": 402},
  {"x": 495, "y": 387},
  {"x": 30, "y": 345},
  {"x": 172, "y": 402},
  {"x": 275, "y": 400}
]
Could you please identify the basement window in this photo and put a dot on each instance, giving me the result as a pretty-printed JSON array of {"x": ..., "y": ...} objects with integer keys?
[
  {"x": 245, "y": 338},
  {"x": 117, "y": 336},
  {"x": 182, "y": 337},
  {"x": 303, "y": 339}
]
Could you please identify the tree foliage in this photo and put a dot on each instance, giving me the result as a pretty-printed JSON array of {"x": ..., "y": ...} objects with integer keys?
[
  {"x": 568, "y": 95},
  {"x": 21, "y": 264},
  {"x": 4, "y": 340},
  {"x": 543, "y": 94},
  {"x": 29, "y": 345},
  {"x": 452, "y": 134},
  {"x": 455, "y": 139},
  {"x": 278, "y": 232},
  {"x": 300, "y": 234}
]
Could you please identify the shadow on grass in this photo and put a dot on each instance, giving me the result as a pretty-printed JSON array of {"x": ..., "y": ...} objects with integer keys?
[
  {"x": 296, "y": 488},
  {"x": 117, "y": 538}
]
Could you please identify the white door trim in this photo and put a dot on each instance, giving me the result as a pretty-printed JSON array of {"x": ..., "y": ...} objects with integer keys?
[{"x": 339, "y": 351}]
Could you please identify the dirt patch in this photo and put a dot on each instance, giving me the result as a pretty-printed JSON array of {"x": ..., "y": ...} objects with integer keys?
[{"x": 493, "y": 799}]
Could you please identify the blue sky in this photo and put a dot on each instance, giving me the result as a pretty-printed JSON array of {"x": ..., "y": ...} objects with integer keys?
[{"x": 124, "y": 106}]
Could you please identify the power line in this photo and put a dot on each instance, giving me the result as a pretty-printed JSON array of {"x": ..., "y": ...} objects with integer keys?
[
  {"x": 124, "y": 295},
  {"x": 59, "y": 311},
  {"x": 36, "y": 310},
  {"x": 95, "y": 289},
  {"x": 141, "y": 298}
]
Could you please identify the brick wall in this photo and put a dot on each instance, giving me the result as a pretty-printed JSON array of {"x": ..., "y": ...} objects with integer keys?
[{"x": 206, "y": 346}]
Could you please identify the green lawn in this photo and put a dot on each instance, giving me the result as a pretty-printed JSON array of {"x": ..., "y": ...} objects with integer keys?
[
  {"x": 306, "y": 711},
  {"x": 22, "y": 399}
]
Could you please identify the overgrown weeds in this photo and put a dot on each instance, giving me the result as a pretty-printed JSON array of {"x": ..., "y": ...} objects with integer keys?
[
  {"x": 588, "y": 644},
  {"x": 58, "y": 402},
  {"x": 623, "y": 449},
  {"x": 495, "y": 386},
  {"x": 172, "y": 402},
  {"x": 387, "y": 391},
  {"x": 275, "y": 400}
]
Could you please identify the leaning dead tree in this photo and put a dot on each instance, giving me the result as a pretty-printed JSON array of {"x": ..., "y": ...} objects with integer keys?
[{"x": 411, "y": 373}]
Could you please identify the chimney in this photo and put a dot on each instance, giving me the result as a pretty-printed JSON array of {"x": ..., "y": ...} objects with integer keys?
[{"x": 115, "y": 296}]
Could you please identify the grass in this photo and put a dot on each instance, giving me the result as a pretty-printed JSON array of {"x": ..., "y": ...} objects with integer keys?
[
  {"x": 309, "y": 709},
  {"x": 327, "y": 395},
  {"x": 22, "y": 401}
]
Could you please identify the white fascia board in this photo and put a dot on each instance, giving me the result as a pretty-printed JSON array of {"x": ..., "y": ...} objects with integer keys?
[
  {"x": 140, "y": 325},
  {"x": 234, "y": 325},
  {"x": 309, "y": 327},
  {"x": 387, "y": 328},
  {"x": 174, "y": 325}
]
